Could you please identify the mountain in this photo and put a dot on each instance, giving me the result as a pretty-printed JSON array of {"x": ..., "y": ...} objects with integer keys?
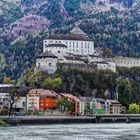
[{"x": 25, "y": 23}]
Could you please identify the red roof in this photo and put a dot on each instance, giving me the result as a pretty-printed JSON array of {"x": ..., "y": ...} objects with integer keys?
[
  {"x": 72, "y": 97},
  {"x": 43, "y": 92},
  {"x": 49, "y": 93}
]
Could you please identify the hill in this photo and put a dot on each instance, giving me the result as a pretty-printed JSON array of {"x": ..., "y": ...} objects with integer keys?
[{"x": 25, "y": 23}]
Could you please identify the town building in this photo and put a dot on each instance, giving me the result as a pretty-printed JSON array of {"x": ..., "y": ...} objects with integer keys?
[
  {"x": 20, "y": 105},
  {"x": 4, "y": 102},
  {"x": 87, "y": 105},
  {"x": 48, "y": 100},
  {"x": 33, "y": 99},
  {"x": 4, "y": 97},
  {"x": 114, "y": 107},
  {"x": 102, "y": 106},
  {"x": 76, "y": 103}
]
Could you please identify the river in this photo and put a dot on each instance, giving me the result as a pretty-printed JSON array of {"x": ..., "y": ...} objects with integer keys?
[{"x": 72, "y": 132}]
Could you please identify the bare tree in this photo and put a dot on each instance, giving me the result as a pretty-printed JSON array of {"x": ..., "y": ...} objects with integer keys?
[{"x": 14, "y": 96}]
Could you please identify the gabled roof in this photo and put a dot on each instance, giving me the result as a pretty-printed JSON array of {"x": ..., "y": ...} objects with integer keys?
[
  {"x": 86, "y": 99},
  {"x": 70, "y": 96},
  {"x": 100, "y": 100},
  {"x": 43, "y": 92},
  {"x": 114, "y": 102},
  {"x": 35, "y": 91},
  {"x": 77, "y": 31},
  {"x": 47, "y": 54},
  {"x": 48, "y": 93}
]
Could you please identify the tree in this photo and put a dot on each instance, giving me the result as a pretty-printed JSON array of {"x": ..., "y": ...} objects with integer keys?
[
  {"x": 57, "y": 83},
  {"x": 125, "y": 92},
  {"x": 14, "y": 96},
  {"x": 133, "y": 108},
  {"x": 64, "y": 104},
  {"x": 7, "y": 80},
  {"x": 48, "y": 83}
]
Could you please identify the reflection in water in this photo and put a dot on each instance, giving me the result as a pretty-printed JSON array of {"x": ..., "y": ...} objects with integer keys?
[{"x": 72, "y": 132}]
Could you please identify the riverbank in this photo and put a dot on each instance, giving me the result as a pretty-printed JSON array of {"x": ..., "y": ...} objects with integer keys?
[
  {"x": 2, "y": 123},
  {"x": 33, "y": 120}
]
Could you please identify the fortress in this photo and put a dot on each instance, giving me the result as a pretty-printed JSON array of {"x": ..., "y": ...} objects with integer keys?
[{"x": 74, "y": 51}]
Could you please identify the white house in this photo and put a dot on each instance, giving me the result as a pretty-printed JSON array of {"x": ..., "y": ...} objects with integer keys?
[
  {"x": 20, "y": 105},
  {"x": 4, "y": 101}
]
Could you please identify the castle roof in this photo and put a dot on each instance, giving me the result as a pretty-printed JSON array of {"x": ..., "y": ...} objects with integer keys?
[
  {"x": 57, "y": 45},
  {"x": 69, "y": 37},
  {"x": 77, "y": 31},
  {"x": 73, "y": 58},
  {"x": 75, "y": 34},
  {"x": 47, "y": 54}
]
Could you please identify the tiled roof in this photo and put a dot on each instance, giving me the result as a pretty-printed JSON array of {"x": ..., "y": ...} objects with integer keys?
[
  {"x": 86, "y": 99},
  {"x": 43, "y": 92},
  {"x": 69, "y": 37},
  {"x": 35, "y": 91},
  {"x": 72, "y": 97},
  {"x": 48, "y": 93},
  {"x": 114, "y": 101},
  {"x": 47, "y": 54}
]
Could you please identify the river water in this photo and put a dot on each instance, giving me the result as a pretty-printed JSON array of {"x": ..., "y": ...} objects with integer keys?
[{"x": 72, "y": 132}]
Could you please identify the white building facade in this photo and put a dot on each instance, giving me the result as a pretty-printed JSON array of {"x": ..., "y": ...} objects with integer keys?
[
  {"x": 76, "y": 42},
  {"x": 127, "y": 62}
]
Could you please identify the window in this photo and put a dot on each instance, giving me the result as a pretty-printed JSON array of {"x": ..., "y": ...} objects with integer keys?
[
  {"x": 50, "y": 64},
  {"x": 58, "y": 51},
  {"x": 39, "y": 65},
  {"x": 23, "y": 104}
]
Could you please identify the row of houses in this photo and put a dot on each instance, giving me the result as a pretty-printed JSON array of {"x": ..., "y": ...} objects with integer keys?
[{"x": 43, "y": 99}]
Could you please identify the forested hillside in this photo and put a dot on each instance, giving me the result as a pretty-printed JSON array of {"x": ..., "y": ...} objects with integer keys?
[{"x": 25, "y": 23}]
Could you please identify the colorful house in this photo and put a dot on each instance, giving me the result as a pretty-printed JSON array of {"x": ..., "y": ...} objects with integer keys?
[
  {"x": 102, "y": 106},
  {"x": 114, "y": 107},
  {"x": 48, "y": 100},
  {"x": 76, "y": 103},
  {"x": 33, "y": 99},
  {"x": 87, "y": 105}
]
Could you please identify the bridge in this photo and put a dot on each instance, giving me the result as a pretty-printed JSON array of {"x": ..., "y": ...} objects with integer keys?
[{"x": 104, "y": 118}]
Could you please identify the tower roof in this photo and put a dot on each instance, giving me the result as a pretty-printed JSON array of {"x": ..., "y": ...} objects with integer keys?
[
  {"x": 47, "y": 54},
  {"x": 77, "y": 31}
]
